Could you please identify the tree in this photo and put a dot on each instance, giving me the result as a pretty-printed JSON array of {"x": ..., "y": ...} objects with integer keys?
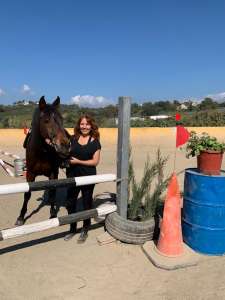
[
  {"x": 136, "y": 109},
  {"x": 208, "y": 103}
]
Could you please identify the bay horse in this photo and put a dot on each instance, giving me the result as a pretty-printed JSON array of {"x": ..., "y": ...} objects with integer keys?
[{"x": 47, "y": 145}]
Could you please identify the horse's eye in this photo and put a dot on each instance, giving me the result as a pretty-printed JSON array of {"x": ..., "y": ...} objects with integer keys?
[{"x": 46, "y": 121}]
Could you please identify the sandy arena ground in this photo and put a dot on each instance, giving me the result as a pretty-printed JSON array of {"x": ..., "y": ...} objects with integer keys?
[{"x": 44, "y": 266}]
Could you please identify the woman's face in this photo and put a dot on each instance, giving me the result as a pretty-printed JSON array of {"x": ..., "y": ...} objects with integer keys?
[{"x": 85, "y": 127}]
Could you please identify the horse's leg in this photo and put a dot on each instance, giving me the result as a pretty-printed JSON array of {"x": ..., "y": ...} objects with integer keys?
[
  {"x": 27, "y": 195},
  {"x": 52, "y": 198}
]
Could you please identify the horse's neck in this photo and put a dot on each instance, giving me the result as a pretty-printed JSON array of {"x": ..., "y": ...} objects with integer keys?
[
  {"x": 34, "y": 150},
  {"x": 36, "y": 140}
]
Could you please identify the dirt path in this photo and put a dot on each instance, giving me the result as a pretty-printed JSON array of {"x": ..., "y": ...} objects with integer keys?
[{"x": 44, "y": 266}]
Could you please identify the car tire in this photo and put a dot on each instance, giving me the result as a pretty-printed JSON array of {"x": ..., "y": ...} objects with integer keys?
[{"x": 132, "y": 232}]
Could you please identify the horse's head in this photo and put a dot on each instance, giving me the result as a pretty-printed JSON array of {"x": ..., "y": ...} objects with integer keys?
[{"x": 51, "y": 127}]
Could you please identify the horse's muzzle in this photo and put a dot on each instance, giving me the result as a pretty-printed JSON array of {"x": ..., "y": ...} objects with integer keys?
[{"x": 62, "y": 150}]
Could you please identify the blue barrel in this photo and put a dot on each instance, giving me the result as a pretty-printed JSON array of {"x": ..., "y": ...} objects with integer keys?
[{"x": 203, "y": 216}]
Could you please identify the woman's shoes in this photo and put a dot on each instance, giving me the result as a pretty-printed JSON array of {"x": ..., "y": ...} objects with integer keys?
[
  {"x": 71, "y": 233},
  {"x": 83, "y": 236},
  {"x": 69, "y": 236}
]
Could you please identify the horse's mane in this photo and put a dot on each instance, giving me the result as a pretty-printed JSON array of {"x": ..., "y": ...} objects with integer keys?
[{"x": 35, "y": 118}]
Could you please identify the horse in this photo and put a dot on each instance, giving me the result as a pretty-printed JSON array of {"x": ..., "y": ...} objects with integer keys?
[{"x": 47, "y": 145}]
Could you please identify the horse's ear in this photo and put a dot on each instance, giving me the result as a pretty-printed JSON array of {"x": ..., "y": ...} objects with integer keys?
[
  {"x": 42, "y": 103},
  {"x": 56, "y": 102}
]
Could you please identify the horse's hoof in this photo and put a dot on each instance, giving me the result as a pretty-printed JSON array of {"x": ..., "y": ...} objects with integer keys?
[{"x": 19, "y": 222}]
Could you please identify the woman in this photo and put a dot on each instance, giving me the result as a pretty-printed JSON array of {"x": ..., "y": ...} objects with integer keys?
[{"x": 85, "y": 156}]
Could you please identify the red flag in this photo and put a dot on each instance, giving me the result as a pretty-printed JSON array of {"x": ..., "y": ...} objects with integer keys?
[
  {"x": 177, "y": 117},
  {"x": 182, "y": 136}
]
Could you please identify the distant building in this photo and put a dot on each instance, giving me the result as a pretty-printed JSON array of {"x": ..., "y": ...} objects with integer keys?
[
  {"x": 24, "y": 102},
  {"x": 183, "y": 106},
  {"x": 194, "y": 104},
  {"x": 137, "y": 118},
  {"x": 159, "y": 117},
  {"x": 21, "y": 102},
  {"x": 132, "y": 119},
  {"x": 187, "y": 105}
]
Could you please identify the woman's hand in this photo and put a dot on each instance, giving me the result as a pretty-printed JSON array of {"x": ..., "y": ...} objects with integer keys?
[
  {"x": 74, "y": 160},
  {"x": 91, "y": 162}
]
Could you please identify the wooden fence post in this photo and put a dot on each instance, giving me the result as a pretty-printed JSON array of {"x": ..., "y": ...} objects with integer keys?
[{"x": 123, "y": 154}]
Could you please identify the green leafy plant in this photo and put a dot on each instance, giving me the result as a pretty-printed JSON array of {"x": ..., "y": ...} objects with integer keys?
[
  {"x": 146, "y": 195},
  {"x": 201, "y": 142}
]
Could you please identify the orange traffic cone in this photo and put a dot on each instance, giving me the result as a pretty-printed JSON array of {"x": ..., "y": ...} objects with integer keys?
[{"x": 170, "y": 240}]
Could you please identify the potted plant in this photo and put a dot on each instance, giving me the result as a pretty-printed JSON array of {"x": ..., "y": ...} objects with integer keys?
[
  {"x": 209, "y": 152},
  {"x": 145, "y": 200}
]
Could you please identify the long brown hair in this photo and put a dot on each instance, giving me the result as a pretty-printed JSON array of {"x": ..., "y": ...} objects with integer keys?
[{"x": 94, "y": 128}]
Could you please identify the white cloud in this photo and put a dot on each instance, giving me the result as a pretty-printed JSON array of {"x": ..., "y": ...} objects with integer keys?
[
  {"x": 26, "y": 89},
  {"x": 2, "y": 93},
  {"x": 220, "y": 97},
  {"x": 90, "y": 101}
]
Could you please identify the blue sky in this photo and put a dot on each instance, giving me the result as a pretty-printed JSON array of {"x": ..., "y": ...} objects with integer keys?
[{"x": 94, "y": 51}]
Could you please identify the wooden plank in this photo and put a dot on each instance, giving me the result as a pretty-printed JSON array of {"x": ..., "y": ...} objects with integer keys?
[
  {"x": 55, "y": 183},
  {"x": 8, "y": 171},
  {"x": 51, "y": 184},
  {"x": 79, "y": 216},
  {"x": 14, "y": 188},
  {"x": 27, "y": 229},
  {"x": 60, "y": 221}
]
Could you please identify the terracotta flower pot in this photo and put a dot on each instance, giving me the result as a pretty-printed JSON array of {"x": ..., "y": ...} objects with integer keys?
[{"x": 209, "y": 162}]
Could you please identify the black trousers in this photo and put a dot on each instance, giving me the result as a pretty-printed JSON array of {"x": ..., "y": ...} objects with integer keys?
[{"x": 87, "y": 200}]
